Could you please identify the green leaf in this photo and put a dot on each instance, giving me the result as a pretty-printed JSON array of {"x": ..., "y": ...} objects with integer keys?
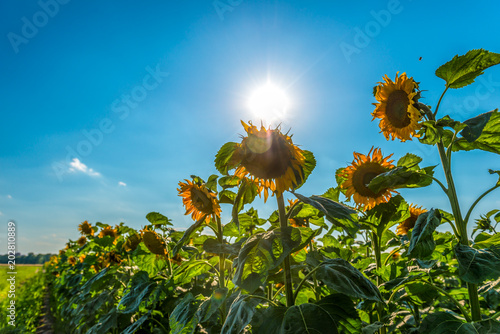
[
  {"x": 442, "y": 322},
  {"x": 247, "y": 192},
  {"x": 157, "y": 218},
  {"x": 227, "y": 196},
  {"x": 183, "y": 318},
  {"x": 402, "y": 177},
  {"x": 188, "y": 233},
  {"x": 139, "y": 290},
  {"x": 137, "y": 324},
  {"x": 422, "y": 243},
  {"x": 306, "y": 235},
  {"x": 336, "y": 213},
  {"x": 488, "y": 242},
  {"x": 489, "y": 138},
  {"x": 342, "y": 277},
  {"x": 491, "y": 171},
  {"x": 462, "y": 70},
  {"x": 240, "y": 314},
  {"x": 268, "y": 321},
  {"x": 212, "y": 183},
  {"x": 189, "y": 269},
  {"x": 229, "y": 181},
  {"x": 224, "y": 156},
  {"x": 475, "y": 266},
  {"x": 332, "y": 314},
  {"x": 487, "y": 327},
  {"x": 210, "y": 306},
  {"x": 212, "y": 245},
  {"x": 409, "y": 160},
  {"x": 263, "y": 252},
  {"x": 308, "y": 167},
  {"x": 475, "y": 126},
  {"x": 385, "y": 215}
]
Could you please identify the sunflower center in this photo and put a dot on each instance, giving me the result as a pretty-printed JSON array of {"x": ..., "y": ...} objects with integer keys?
[
  {"x": 200, "y": 201},
  {"x": 363, "y": 176},
  {"x": 397, "y": 109},
  {"x": 269, "y": 163}
]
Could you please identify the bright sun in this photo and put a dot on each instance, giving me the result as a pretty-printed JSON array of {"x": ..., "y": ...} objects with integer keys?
[{"x": 268, "y": 103}]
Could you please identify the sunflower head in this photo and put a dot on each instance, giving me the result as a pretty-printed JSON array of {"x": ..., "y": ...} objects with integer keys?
[
  {"x": 198, "y": 200},
  {"x": 270, "y": 158},
  {"x": 358, "y": 175},
  {"x": 62, "y": 252},
  {"x": 409, "y": 222},
  {"x": 85, "y": 228},
  {"x": 132, "y": 242},
  {"x": 298, "y": 222},
  {"x": 82, "y": 258},
  {"x": 72, "y": 260},
  {"x": 108, "y": 231},
  {"x": 81, "y": 241},
  {"x": 396, "y": 107},
  {"x": 153, "y": 242},
  {"x": 111, "y": 258}
]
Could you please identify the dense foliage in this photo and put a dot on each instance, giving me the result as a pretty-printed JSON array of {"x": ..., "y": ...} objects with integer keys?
[{"x": 356, "y": 259}]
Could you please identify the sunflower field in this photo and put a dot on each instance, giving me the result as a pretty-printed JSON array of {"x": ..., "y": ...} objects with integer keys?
[{"x": 353, "y": 258}]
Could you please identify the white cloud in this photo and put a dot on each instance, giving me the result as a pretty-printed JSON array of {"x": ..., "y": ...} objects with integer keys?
[
  {"x": 9, "y": 196},
  {"x": 1, "y": 213},
  {"x": 77, "y": 166},
  {"x": 122, "y": 184}
]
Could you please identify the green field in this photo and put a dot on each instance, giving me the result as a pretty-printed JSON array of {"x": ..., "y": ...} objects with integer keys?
[{"x": 24, "y": 272}]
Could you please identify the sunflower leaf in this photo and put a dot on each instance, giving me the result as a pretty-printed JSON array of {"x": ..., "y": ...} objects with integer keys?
[
  {"x": 187, "y": 234},
  {"x": 240, "y": 314},
  {"x": 212, "y": 245},
  {"x": 402, "y": 177},
  {"x": 157, "y": 218},
  {"x": 246, "y": 194},
  {"x": 422, "y": 243},
  {"x": 307, "y": 168},
  {"x": 385, "y": 215},
  {"x": 462, "y": 70},
  {"x": 338, "y": 214},
  {"x": 491, "y": 171},
  {"x": 224, "y": 156},
  {"x": 263, "y": 252},
  {"x": 475, "y": 266},
  {"x": 444, "y": 322},
  {"x": 183, "y": 319},
  {"x": 485, "y": 137},
  {"x": 409, "y": 160},
  {"x": 341, "y": 276}
]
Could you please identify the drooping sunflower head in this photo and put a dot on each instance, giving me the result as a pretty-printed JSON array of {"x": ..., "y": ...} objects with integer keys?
[
  {"x": 108, "y": 231},
  {"x": 132, "y": 242},
  {"x": 409, "y": 222},
  {"x": 72, "y": 260},
  {"x": 270, "y": 158},
  {"x": 198, "y": 200},
  {"x": 396, "y": 107},
  {"x": 154, "y": 242},
  {"x": 81, "y": 241},
  {"x": 111, "y": 258},
  {"x": 359, "y": 174},
  {"x": 85, "y": 228}
]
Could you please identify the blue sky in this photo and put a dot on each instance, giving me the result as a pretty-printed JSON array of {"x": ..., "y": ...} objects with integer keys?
[{"x": 143, "y": 94}]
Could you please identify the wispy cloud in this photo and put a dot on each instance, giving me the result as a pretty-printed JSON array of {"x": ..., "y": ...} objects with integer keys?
[
  {"x": 123, "y": 184},
  {"x": 9, "y": 196},
  {"x": 77, "y": 166},
  {"x": 1, "y": 213}
]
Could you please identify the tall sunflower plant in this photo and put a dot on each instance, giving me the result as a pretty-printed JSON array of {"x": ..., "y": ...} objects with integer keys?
[{"x": 371, "y": 180}]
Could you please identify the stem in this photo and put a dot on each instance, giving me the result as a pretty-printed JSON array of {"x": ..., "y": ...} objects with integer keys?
[
  {"x": 437, "y": 181},
  {"x": 263, "y": 298},
  {"x": 453, "y": 227},
  {"x": 304, "y": 280},
  {"x": 288, "y": 277},
  {"x": 461, "y": 226},
  {"x": 477, "y": 201},
  {"x": 439, "y": 102},
  {"x": 278, "y": 292},
  {"x": 222, "y": 257},
  {"x": 394, "y": 251},
  {"x": 315, "y": 281},
  {"x": 159, "y": 323},
  {"x": 378, "y": 260}
]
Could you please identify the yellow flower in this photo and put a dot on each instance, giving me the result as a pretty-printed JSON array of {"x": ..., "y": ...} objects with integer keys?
[
  {"x": 108, "y": 231},
  {"x": 198, "y": 200},
  {"x": 359, "y": 174},
  {"x": 82, "y": 258},
  {"x": 396, "y": 107},
  {"x": 153, "y": 242},
  {"x": 85, "y": 228},
  {"x": 111, "y": 258},
  {"x": 409, "y": 222},
  {"x": 132, "y": 242},
  {"x": 81, "y": 241},
  {"x": 72, "y": 260},
  {"x": 270, "y": 159}
]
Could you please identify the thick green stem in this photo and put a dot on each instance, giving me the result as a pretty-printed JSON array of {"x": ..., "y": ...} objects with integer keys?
[
  {"x": 461, "y": 226},
  {"x": 378, "y": 260},
  {"x": 288, "y": 275},
  {"x": 315, "y": 281},
  {"x": 222, "y": 258}
]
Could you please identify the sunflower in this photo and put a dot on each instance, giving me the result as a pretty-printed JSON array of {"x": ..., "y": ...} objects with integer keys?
[
  {"x": 198, "y": 200},
  {"x": 270, "y": 159},
  {"x": 81, "y": 241},
  {"x": 111, "y": 258},
  {"x": 108, "y": 231},
  {"x": 72, "y": 260},
  {"x": 153, "y": 242},
  {"x": 85, "y": 228},
  {"x": 82, "y": 258},
  {"x": 396, "y": 107},
  {"x": 409, "y": 222},
  {"x": 132, "y": 242},
  {"x": 359, "y": 174}
]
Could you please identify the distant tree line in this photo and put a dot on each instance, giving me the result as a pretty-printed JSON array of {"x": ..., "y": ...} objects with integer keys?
[{"x": 31, "y": 258}]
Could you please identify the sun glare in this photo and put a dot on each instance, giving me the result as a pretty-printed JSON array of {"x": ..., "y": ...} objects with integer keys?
[{"x": 268, "y": 104}]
